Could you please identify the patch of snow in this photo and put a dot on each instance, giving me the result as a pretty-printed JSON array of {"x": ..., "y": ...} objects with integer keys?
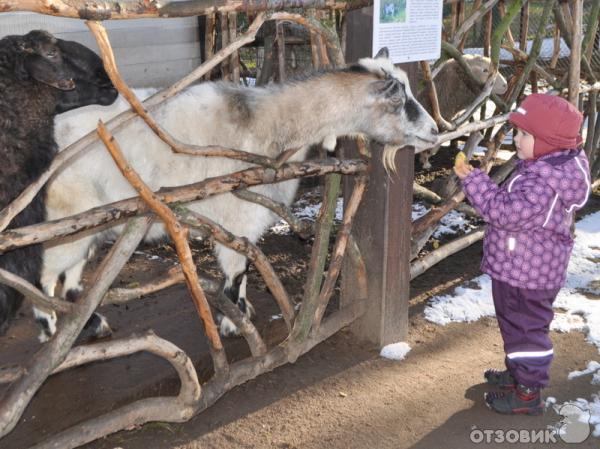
[
  {"x": 395, "y": 351},
  {"x": 593, "y": 367},
  {"x": 579, "y": 312}
]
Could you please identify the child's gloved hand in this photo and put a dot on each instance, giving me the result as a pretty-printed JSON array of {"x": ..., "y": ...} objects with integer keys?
[{"x": 462, "y": 168}]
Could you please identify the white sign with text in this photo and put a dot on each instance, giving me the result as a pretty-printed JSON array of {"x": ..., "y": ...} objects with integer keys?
[{"x": 410, "y": 29}]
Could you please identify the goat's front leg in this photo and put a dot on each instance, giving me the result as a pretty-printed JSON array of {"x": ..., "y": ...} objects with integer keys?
[{"x": 235, "y": 291}]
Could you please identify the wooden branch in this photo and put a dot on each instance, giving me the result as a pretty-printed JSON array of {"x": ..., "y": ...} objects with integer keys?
[
  {"x": 575, "y": 58},
  {"x": 310, "y": 299},
  {"x": 534, "y": 53},
  {"x": 234, "y": 59},
  {"x": 433, "y": 98},
  {"x": 504, "y": 28},
  {"x": 470, "y": 128},
  {"x": 522, "y": 56},
  {"x": 304, "y": 228},
  {"x": 513, "y": 11},
  {"x": 339, "y": 249},
  {"x": 19, "y": 393},
  {"x": 252, "y": 252},
  {"x": 524, "y": 27},
  {"x": 117, "y": 211},
  {"x": 179, "y": 408},
  {"x": 477, "y": 14},
  {"x": 177, "y": 146},
  {"x": 178, "y": 235},
  {"x": 565, "y": 27},
  {"x": 592, "y": 29},
  {"x": 592, "y": 111},
  {"x": 279, "y": 31},
  {"x": 14, "y": 208},
  {"x": 154, "y": 409},
  {"x": 36, "y": 296},
  {"x": 135, "y": 9},
  {"x": 173, "y": 277},
  {"x": 419, "y": 266},
  {"x": 433, "y": 198}
]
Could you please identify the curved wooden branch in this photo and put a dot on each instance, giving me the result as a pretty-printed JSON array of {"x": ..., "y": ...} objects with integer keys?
[
  {"x": 168, "y": 409},
  {"x": 251, "y": 251},
  {"x": 19, "y": 394},
  {"x": 173, "y": 277},
  {"x": 119, "y": 210},
  {"x": 19, "y": 203},
  {"x": 179, "y": 236}
]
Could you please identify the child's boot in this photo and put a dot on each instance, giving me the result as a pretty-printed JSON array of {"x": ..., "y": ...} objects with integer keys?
[
  {"x": 521, "y": 400},
  {"x": 501, "y": 379}
]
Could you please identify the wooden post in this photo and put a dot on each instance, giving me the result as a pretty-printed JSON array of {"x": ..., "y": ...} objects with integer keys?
[
  {"x": 382, "y": 225},
  {"x": 575, "y": 60}
]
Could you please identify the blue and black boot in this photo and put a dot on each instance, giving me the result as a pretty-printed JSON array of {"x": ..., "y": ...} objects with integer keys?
[
  {"x": 501, "y": 379},
  {"x": 521, "y": 400}
]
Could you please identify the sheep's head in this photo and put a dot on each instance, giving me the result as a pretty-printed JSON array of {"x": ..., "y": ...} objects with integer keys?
[
  {"x": 73, "y": 71},
  {"x": 481, "y": 66},
  {"x": 397, "y": 118}
]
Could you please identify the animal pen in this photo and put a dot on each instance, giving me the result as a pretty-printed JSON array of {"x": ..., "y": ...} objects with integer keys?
[{"x": 373, "y": 252}]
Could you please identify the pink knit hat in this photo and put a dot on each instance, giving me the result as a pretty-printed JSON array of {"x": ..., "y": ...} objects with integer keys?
[{"x": 552, "y": 121}]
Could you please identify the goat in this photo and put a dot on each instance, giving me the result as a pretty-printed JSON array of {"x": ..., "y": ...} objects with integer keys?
[
  {"x": 40, "y": 76},
  {"x": 456, "y": 92},
  {"x": 371, "y": 98}
]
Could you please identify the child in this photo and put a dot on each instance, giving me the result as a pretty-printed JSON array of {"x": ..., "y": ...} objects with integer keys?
[{"x": 528, "y": 241}]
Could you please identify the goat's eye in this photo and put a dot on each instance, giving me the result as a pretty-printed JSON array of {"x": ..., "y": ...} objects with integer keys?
[{"x": 485, "y": 70}]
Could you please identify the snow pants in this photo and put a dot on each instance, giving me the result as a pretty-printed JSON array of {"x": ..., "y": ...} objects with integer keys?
[{"x": 524, "y": 317}]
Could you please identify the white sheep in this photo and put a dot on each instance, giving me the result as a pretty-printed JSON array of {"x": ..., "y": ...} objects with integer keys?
[{"x": 371, "y": 98}]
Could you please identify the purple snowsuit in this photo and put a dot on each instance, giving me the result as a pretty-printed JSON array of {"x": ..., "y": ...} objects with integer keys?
[{"x": 526, "y": 250}]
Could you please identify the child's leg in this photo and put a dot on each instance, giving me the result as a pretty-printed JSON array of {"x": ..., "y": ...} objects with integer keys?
[{"x": 524, "y": 318}]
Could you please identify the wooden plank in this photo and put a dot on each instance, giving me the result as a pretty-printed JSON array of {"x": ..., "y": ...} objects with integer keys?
[{"x": 382, "y": 224}]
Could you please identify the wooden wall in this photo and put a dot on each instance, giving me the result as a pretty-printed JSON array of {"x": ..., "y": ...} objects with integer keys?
[{"x": 149, "y": 52}]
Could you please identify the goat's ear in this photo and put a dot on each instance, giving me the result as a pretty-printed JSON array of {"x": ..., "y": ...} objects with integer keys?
[
  {"x": 44, "y": 71},
  {"x": 383, "y": 53}
]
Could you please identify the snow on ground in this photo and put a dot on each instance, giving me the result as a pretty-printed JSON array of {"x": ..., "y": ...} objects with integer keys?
[
  {"x": 575, "y": 310},
  {"x": 395, "y": 351}
]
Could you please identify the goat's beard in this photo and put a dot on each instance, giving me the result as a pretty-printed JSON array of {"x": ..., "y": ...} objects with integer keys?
[{"x": 389, "y": 158}]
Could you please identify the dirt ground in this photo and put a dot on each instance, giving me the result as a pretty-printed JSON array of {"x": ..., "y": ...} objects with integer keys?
[{"x": 340, "y": 395}]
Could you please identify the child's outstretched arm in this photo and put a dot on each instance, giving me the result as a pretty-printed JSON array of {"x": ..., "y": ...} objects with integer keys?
[{"x": 512, "y": 207}]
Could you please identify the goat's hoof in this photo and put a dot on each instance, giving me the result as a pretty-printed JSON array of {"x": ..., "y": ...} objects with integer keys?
[
  {"x": 100, "y": 327},
  {"x": 227, "y": 328}
]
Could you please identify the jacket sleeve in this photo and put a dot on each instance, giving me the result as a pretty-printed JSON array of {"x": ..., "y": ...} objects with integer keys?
[{"x": 514, "y": 207}]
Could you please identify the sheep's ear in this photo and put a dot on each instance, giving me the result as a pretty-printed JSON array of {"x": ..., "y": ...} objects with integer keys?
[
  {"x": 383, "y": 53},
  {"x": 44, "y": 71}
]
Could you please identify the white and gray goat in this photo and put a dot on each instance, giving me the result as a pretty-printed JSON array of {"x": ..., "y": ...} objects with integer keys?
[
  {"x": 372, "y": 98},
  {"x": 456, "y": 92}
]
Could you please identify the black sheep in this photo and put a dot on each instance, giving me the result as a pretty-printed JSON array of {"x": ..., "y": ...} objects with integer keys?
[{"x": 40, "y": 76}]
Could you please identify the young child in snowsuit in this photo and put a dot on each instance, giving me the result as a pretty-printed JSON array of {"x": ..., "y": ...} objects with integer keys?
[{"x": 528, "y": 241}]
